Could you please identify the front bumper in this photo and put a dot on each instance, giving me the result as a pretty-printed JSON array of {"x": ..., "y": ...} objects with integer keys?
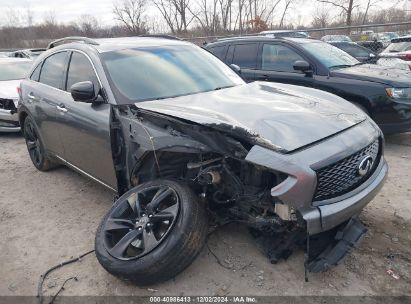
[
  {"x": 326, "y": 217},
  {"x": 298, "y": 189},
  {"x": 9, "y": 122}
]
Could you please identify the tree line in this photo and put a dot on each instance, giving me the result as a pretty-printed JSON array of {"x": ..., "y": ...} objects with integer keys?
[{"x": 190, "y": 18}]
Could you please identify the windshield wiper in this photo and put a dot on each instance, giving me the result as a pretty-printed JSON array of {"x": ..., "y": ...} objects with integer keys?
[
  {"x": 225, "y": 87},
  {"x": 340, "y": 66}
]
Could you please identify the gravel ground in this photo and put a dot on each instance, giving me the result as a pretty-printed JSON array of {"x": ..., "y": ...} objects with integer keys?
[{"x": 47, "y": 218}]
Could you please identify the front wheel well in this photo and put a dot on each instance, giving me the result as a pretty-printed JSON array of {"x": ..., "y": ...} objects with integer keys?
[{"x": 22, "y": 117}]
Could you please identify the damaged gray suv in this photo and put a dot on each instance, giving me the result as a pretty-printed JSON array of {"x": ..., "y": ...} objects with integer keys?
[{"x": 185, "y": 142}]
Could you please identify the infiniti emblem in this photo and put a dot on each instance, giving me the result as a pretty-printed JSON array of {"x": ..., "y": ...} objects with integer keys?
[{"x": 365, "y": 166}]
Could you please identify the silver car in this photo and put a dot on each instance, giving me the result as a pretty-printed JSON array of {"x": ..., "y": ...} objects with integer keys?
[{"x": 12, "y": 70}]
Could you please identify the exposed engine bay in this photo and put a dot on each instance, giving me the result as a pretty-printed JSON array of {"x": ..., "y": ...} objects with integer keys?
[{"x": 212, "y": 161}]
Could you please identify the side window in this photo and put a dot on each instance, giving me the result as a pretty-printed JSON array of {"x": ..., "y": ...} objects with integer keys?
[
  {"x": 230, "y": 53},
  {"x": 218, "y": 51},
  {"x": 53, "y": 69},
  {"x": 280, "y": 58},
  {"x": 36, "y": 73},
  {"x": 245, "y": 55},
  {"x": 80, "y": 69},
  {"x": 355, "y": 51}
]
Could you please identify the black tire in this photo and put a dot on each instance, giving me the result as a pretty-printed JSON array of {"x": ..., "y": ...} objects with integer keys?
[
  {"x": 174, "y": 252},
  {"x": 35, "y": 147}
]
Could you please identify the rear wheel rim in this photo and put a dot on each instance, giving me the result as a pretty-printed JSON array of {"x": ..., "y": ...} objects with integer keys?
[
  {"x": 33, "y": 144},
  {"x": 140, "y": 222}
]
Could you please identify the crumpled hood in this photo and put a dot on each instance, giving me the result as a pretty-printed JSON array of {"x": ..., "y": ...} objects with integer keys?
[
  {"x": 286, "y": 117},
  {"x": 376, "y": 73},
  {"x": 8, "y": 89}
]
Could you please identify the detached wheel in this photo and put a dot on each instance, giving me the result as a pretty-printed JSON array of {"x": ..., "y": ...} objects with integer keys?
[
  {"x": 35, "y": 147},
  {"x": 152, "y": 233}
]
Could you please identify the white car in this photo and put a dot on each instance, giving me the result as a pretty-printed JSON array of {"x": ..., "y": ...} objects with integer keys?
[
  {"x": 397, "y": 54},
  {"x": 12, "y": 70}
]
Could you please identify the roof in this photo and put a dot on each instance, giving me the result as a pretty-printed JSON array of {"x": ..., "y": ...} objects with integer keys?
[
  {"x": 14, "y": 60},
  {"x": 110, "y": 44},
  {"x": 266, "y": 38}
]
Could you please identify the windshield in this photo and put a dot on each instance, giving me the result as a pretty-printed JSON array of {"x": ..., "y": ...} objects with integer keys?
[
  {"x": 399, "y": 47},
  {"x": 14, "y": 70},
  {"x": 162, "y": 72},
  {"x": 330, "y": 56}
]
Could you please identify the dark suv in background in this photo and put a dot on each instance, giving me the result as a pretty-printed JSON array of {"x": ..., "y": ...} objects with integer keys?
[{"x": 384, "y": 93}]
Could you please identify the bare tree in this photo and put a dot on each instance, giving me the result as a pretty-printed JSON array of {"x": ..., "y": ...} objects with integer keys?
[
  {"x": 88, "y": 25},
  {"x": 131, "y": 14},
  {"x": 176, "y": 13},
  {"x": 286, "y": 8},
  {"x": 347, "y": 7}
]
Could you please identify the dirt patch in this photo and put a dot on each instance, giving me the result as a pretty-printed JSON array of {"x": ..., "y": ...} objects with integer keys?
[{"x": 47, "y": 218}]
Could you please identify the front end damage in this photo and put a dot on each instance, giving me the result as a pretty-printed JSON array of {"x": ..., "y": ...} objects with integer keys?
[{"x": 245, "y": 179}]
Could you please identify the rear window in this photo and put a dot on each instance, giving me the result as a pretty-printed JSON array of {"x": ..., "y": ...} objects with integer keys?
[
  {"x": 218, "y": 51},
  {"x": 14, "y": 70},
  {"x": 245, "y": 55},
  {"x": 53, "y": 69}
]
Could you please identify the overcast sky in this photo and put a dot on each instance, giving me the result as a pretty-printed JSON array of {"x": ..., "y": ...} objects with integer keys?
[{"x": 70, "y": 10}]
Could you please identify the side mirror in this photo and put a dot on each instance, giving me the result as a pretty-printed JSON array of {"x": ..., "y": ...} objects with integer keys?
[
  {"x": 235, "y": 68},
  {"x": 371, "y": 55},
  {"x": 83, "y": 91},
  {"x": 303, "y": 66}
]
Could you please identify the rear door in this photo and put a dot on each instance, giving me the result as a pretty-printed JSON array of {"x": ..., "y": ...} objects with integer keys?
[
  {"x": 245, "y": 56},
  {"x": 85, "y": 127},
  {"x": 42, "y": 94},
  {"x": 276, "y": 64}
]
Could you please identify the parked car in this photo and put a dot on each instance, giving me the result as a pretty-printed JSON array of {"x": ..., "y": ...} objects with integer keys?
[
  {"x": 284, "y": 33},
  {"x": 26, "y": 53},
  {"x": 383, "y": 93},
  {"x": 336, "y": 38},
  {"x": 11, "y": 72},
  {"x": 397, "y": 54},
  {"x": 357, "y": 51},
  {"x": 173, "y": 130}
]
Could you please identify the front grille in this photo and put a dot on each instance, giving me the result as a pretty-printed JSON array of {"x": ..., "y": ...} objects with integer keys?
[
  {"x": 7, "y": 104},
  {"x": 342, "y": 176}
]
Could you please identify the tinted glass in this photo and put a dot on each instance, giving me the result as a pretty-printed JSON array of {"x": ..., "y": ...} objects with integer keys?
[
  {"x": 14, "y": 70},
  {"x": 354, "y": 50},
  {"x": 278, "y": 58},
  {"x": 245, "y": 55},
  {"x": 36, "y": 73},
  {"x": 161, "y": 72},
  {"x": 219, "y": 51},
  {"x": 53, "y": 69},
  {"x": 329, "y": 55},
  {"x": 80, "y": 69}
]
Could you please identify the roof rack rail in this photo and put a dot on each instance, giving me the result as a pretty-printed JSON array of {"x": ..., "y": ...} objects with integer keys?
[
  {"x": 71, "y": 39},
  {"x": 161, "y": 36}
]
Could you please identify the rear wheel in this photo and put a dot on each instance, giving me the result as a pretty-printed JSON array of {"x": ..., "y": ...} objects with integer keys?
[
  {"x": 152, "y": 233},
  {"x": 35, "y": 147}
]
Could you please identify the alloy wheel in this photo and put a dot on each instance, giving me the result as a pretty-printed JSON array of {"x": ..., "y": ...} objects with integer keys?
[
  {"x": 33, "y": 144},
  {"x": 141, "y": 221}
]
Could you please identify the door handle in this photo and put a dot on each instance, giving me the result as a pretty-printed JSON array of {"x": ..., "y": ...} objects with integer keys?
[
  {"x": 31, "y": 97},
  {"x": 62, "y": 108}
]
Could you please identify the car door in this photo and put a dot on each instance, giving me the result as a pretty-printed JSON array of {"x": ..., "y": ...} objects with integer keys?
[
  {"x": 276, "y": 64},
  {"x": 42, "y": 95},
  {"x": 85, "y": 127},
  {"x": 245, "y": 56}
]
